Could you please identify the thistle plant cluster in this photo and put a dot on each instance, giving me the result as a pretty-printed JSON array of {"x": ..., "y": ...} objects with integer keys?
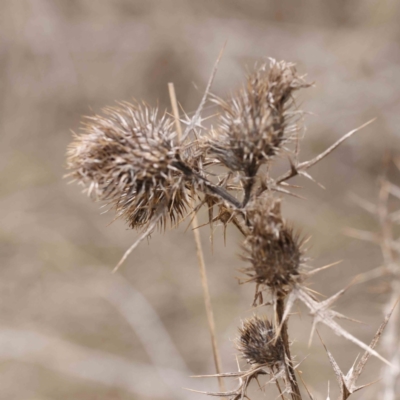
[{"x": 137, "y": 161}]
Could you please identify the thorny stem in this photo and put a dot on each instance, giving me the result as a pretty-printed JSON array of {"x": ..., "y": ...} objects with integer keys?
[
  {"x": 295, "y": 170},
  {"x": 299, "y": 168},
  {"x": 239, "y": 226},
  {"x": 221, "y": 192},
  {"x": 251, "y": 173},
  {"x": 214, "y": 189},
  {"x": 280, "y": 309},
  {"x": 247, "y": 189}
]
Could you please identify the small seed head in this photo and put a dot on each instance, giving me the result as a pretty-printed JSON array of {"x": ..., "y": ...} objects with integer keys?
[
  {"x": 256, "y": 342},
  {"x": 272, "y": 247}
]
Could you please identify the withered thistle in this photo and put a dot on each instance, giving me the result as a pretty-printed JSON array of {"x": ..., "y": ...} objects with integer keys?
[
  {"x": 128, "y": 158},
  {"x": 256, "y": 121},
  {"x": 133, "y": 159},
  {"x": 273, "y": 249},
  {"x": 257, "y": 343}
]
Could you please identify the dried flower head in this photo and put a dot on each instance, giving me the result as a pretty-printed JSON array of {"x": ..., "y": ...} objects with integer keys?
[
  {"x": 257, "y": 344},
  {"x": 128, "y": 158},
  {"x": 257, "y": 120},
  {"x": 272, "y": 247}
]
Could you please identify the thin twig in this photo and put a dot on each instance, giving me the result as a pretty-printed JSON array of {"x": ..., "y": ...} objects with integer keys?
[
  {"x": 200, "y": 257},
  {"x": 208, "y": 305},
  {"x": 174, "y": 104}
]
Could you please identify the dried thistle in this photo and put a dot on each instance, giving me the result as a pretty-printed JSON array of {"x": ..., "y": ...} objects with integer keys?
[
  {"x": 257, "y": 120},
  {"x": 128, "y": 158},
  {"x": 272, "y": 248},
  {"x": 257, "y": 345},
  {"x": 132, "y": 159}
]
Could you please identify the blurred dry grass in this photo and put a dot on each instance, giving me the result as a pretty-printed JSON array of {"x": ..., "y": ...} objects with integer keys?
[{"x": 64, "y": 333}]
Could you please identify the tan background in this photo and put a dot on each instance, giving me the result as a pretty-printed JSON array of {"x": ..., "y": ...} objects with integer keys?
[{"x": 69, "y": 329}]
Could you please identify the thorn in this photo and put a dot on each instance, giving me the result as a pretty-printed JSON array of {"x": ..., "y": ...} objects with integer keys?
[
  {"x": 325, "y": 304},
  {"x": 314, "y": 292},
  {"x": 293, "y": 296},
  {"x": 361, "y": 364},
  {"x": 304, "y": 384},
  {"x": 312, "y": 332},
  {"x": 281, "y": 190},
  {"x": 310, "y": 163},
  {"x": 307, "y": 175},
  {"x": 342, "y": 316},
  {"x": 290, "y": 185},
  {"x": 204, "y": 98},
  {"x": 315, "y": 271},
  {"x": 146, "y": 233},
  {"x": 218, "y": 394}
]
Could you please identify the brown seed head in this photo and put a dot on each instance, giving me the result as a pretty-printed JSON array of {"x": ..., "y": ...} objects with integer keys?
[
  {"x": 258, "y": 119},
  {"x": 256, "y": 342},
  {"x": 127, "y": 158},
  {"x": 272, "y": 247}
]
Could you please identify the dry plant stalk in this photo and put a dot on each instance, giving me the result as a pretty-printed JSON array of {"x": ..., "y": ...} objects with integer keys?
[
  {"x": 388, "y": 241},
  {"x": 200, "y": 257},
  {"x": 137, "y": 161}
]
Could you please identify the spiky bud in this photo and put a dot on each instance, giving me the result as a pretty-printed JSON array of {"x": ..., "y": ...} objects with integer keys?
[
  {"x": 256, "y": 121},
  {"x": 257, "y": 342},
  {"x": 272, "y": 247},
  {"x": 128, "y": 158}
]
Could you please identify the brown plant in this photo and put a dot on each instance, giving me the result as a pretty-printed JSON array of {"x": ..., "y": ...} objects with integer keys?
[
  {"x": 256, "y": 342},
  {"x": 128, "y": 159},
  {"x": 150, "y": 172},
  {"x": 272, "y": 248}
]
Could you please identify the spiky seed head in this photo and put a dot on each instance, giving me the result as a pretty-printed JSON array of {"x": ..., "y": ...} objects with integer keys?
[
  {"x": 126, "y": 157},
  {"x": 256, "y": 121},
  {"x": 257, "y": 342},
  {"x": 272, "y": 247}
]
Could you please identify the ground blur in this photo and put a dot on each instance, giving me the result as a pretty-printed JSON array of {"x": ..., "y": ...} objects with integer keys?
[{"x": 69, "y": 328}]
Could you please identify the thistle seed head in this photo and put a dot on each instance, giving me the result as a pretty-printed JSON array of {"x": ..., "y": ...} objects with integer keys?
[
  {"x": 127, "y": 158},
  {"x": 272, "y": 248},
  {"x": 256, "y": 342},
  {"x": 256, "y": 121}
]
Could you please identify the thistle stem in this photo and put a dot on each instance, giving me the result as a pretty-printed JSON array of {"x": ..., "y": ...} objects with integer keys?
[
  {"x": 214, "y": 189},
  {"x": 247, "y": 190},
  {"x": 280, "y": 309}
]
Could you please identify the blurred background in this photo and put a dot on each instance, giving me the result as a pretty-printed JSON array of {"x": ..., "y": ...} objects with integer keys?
[{"x": 69, "y": 328}]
